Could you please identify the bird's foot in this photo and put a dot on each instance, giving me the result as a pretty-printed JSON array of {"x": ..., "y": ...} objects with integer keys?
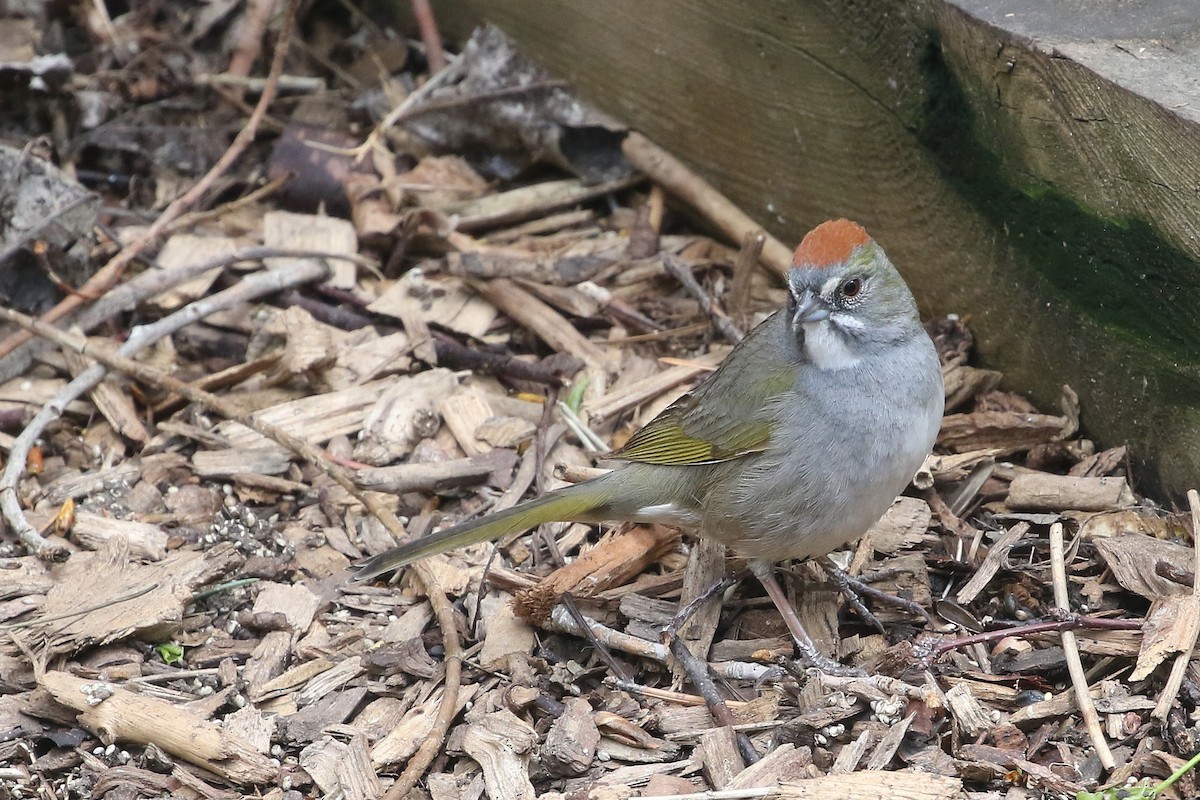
[
  {"x": 854, "y": 589},
  {"x": 686, "y": 612},
  {"x": 815, "y": 658}
]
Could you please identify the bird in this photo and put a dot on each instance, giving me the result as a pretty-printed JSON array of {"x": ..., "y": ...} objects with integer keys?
[{"x": 793, "y": 447}]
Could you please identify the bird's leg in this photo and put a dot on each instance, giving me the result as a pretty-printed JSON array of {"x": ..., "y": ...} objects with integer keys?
[
  {"x": 765, "y": 573},
  {"x": 854, "y": 589},
  {"x": 686, "y": 612}
]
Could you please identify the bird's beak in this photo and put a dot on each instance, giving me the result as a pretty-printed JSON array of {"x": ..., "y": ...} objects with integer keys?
[{"x": 809, "y": 308}]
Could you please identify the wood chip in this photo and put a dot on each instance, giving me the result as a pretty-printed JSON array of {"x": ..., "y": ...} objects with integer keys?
[
  {"x": 404, "y": 739},
  {"x": 1045, "y": 492},
  {"x": 620, "y": 555},
  {"x": 623, "y": 399},
  {"x": 505, "y": 633},
  {"x": 286, "y": 230},
  {"x": 515, "y": 205},
  {"x": 970, "y": 714},
  {"x": 112, "y": 400},
  {"x": 183, "y": 250},
  {"x": 123, "y": 716},
  {"x": 1003, "y": 431},
  {"x": 1170, "y": 628},
  {"x": 720, "y": 757},
  {"x": 317, "y": 418},
  {"x": 502, "y": 742},
  {"x": 146, "y": 542},
  {"x": 876, "y": 785},
  {"x": 105, "y": 596},
  {"x": 992, "y": 562},
  {"x": 1133, "y": 559},
  {"x": 342, "y": 770},
  {"x": 570, "y": 744},
  {"x": 782, "y": 764},
  {"x": 401, "y": 300},
  {"x": 403, "y": 414},
  {"x": 550, "y": 326}
]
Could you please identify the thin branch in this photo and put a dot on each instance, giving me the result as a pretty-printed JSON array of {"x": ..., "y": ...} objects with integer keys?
[
  {"x": 697, "y": 669},
  {"x": 1062, "y": 621},
  {"x": 663, "y": 168},
  {"x": 708, "y": 303},
  {"x": 432, "y": 745},
  {"x": 1083, "y": 699},
  {"x": 435, "y": 55}
]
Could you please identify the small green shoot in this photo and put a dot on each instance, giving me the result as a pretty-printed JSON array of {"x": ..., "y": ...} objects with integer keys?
[
  {"x": 1140, "y": 792},
  {"x": 575, "y": 396},
  {"x": 170, "y": 652}
]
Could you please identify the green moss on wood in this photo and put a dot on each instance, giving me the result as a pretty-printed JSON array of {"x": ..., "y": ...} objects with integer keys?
[{"x": 1119, "y": 273}]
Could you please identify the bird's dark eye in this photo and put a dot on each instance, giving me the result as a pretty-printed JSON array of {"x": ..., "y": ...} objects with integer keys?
[{"x": 851, "y": 287}]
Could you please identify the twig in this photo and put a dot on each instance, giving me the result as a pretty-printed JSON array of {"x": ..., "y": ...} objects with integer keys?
[
  {"x": 196, "y": 217},
  {"x": 665, "y": 169},
  {"x": 106, "y": 277},
  {"x": 697, "y": 670},
  {"x": 1083, "y": 699},
  {"x": 1167, "y": 699},
  {"x": 432, "y": 744},
  {"x": 590, "y": 440},
  {"x": 615, "y": 667},
  {"x": 1065, "y": 621},
  {"x": 743, "y": 269},
  {"x": 156, "y": 281},
  {"x": 435, "y": 56},
  {"x": 708, "y": 304},
  {"x": 455, "y": 356},
  {"x": 153, "y": 282},
  {"x": 560, "y": 621}
]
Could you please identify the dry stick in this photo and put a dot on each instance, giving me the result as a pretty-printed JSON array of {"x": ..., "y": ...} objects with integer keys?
[
  {"x": 108, "y": 275},
  {"x": 926, "y": 652},
  {"x": 437, "y": 598},
  {"x": 432, "y": 744},
  {"x": 156, "y": 281},
  {"x": 1175, "y": 679},
  {"x": 602, "y": 652},
  {"x": 196, "y": 217},
  {"x": 708, "y": 304},
  {"x": 697, "y": 669},
  {"x": 141, "y": 337},
  {"x": 1083, "y": 699},
  {"x": 248, "y": 45},
  {"x": 435, "y": 56},
  {"x": 561, "y": 621},
  {"x": 663, "y": 168},
  {"x": 743, "y": 268}
]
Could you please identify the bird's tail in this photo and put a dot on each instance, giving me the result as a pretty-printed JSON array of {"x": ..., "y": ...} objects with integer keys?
[{"x": 580, "y": 502}]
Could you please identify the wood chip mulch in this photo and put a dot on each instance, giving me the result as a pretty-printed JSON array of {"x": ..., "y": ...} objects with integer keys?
[{"x": 254, "y": 383}]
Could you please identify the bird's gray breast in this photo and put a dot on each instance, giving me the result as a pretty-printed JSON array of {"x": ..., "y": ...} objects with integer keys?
[{"x": 847, "y": 442}]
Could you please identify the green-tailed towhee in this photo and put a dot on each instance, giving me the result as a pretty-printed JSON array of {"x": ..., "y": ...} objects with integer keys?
[{"x": 795, "y": 446}]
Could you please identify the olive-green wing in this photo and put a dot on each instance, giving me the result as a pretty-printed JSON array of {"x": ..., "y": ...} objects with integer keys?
[{"x": 730, "y": 415}]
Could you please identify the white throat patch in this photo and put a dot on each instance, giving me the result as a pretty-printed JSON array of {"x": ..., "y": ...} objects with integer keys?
[{"x": 827, "y": 348}]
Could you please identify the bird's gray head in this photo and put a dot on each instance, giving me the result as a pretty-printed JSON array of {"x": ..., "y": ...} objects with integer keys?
[{"x": 846, "y": 300}]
